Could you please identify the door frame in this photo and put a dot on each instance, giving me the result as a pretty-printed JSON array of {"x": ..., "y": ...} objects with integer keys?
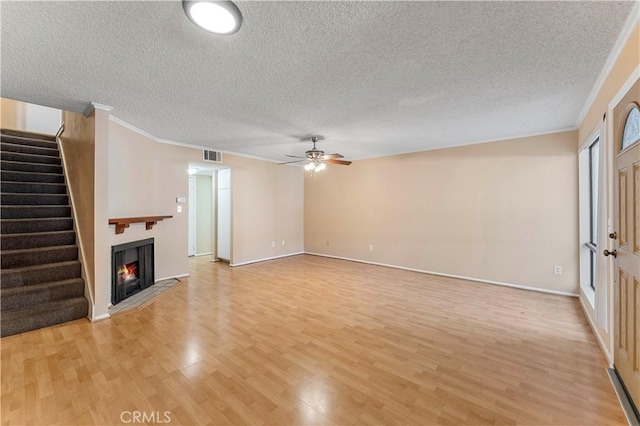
[
  {"x": 218, "y": 220},
  {"x": 191, "y": 217}
]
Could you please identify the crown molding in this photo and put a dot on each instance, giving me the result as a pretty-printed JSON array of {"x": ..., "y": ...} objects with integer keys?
[
  {"x": 94, "y": 106},
  {"x": 476, "y": 142},
  {"x": 185, "y": 145},
  {"x": 254, "y": 157},
  {"x": 625, "y": 34}
]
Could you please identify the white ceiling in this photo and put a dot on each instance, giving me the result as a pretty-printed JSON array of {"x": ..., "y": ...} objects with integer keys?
[{"x": 374, "y": 78}]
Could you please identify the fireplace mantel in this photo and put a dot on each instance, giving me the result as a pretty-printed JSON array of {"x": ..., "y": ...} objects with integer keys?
[{"x": 124, "y": 222}]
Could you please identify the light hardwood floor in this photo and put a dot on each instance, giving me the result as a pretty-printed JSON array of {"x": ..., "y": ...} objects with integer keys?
[{"x": 308, "y": 340}]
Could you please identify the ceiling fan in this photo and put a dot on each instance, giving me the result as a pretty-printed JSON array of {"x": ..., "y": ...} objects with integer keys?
[{"x": 317, "y": 160}]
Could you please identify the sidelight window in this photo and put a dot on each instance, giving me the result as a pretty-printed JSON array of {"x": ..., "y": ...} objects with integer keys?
[{"x": 592, "y": 244}]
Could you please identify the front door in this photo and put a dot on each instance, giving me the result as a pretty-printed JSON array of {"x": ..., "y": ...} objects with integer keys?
[{"x": 626, "y": 131}]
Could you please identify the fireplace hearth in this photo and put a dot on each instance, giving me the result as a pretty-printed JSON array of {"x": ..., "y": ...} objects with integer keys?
[{"x": 132, "y": 269}]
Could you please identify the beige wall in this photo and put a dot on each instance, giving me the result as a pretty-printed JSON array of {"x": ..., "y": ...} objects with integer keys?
[
  {"x": 17, "y": 115},
  {"x": 266, "y": 207},
  {"x": 626, "y": 63},
  {"x": 204, "y": 214},
  {"x": 13, "y": 114},
  {"x": 503, "y": 211},
  {"x": 77, "y": 147},
  {"x": 146, "y": 177}
]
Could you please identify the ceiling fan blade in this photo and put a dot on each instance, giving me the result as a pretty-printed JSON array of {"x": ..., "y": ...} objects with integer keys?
[
  {"x": 294, "y": 156},
  {"x": 330, "y": 156},
  {"x": 289, "y": 162},
  {"x": 340, "y": 162}
]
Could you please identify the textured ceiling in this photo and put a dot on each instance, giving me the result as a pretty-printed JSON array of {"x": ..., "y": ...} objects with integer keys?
[{"x": 374, "y": 78}]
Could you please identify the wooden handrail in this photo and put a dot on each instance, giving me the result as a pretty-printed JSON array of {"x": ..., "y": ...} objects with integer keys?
[{"x": 123, "y": 223}]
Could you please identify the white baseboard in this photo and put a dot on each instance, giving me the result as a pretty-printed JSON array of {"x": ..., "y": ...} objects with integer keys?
[
  {"x": 170, "y": 278},
  {"x": 594, "y": 329},
  {"x": 100, "y": 317},
  {"x": 266, "y": 258},
  {"x": 460, "y": 277},
  {"x": 202, "y": 254}
]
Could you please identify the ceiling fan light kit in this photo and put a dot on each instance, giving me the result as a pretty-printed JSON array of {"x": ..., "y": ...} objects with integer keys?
[
  {"x": 216, "y": 16},
  {"x": 315, "y": 166},
  {"x": 316, "y": 159}
]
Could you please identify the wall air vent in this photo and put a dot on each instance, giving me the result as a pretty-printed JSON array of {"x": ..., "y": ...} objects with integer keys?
[{"x": 213, "y": 156}]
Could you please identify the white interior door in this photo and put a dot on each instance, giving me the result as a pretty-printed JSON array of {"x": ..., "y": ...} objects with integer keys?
[{"x": 224, "y": 215}]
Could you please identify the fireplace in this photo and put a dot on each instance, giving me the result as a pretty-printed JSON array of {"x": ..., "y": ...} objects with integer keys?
[{"x": 132, "y": 269}]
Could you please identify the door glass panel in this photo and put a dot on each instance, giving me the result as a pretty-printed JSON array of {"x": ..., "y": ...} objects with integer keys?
[{"x": 631, "y": 132}]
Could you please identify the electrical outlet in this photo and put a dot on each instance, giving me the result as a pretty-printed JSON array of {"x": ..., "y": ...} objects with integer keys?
[
  {"x": 273, "y": 243},
  {"x": 557, "y": 269},
  {"x": 370, "y": 247},
  {"x": 179, "y": 209},
  {"x": 282, "y": 242}
]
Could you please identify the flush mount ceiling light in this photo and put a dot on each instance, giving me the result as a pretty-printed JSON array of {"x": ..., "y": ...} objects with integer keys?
[{"x": 219, "y": 17}]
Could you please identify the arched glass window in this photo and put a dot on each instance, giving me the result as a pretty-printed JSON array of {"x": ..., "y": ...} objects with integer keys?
[{"x": 631, "y": 133}]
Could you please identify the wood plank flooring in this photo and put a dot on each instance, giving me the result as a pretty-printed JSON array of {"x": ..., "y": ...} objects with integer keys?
[{"x": 307, "y": 340}]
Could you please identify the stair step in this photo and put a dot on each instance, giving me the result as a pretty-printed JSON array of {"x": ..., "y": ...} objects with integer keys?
[
  {"x": 21, "y": 166},
  {"x": 37, "y": 239},
  {"x": 11, "y": 187},
  {"x": 23, "y": 297},
  {"x": 25, "y": 226},
  {"x": 17, "y": 140},
  {"x": 31, "y": 177},
  {"x": 37, "y": 256},
  {"x": 38, "y": 274},
  {"x": 27, "y": 135},
  {"x": 44, "y": 315},
  {"x": 34, "y": 199},
  {"x": 29, "y": 158},
  {"x": 27, "y": 177},
  {"x": 29, "y": 149},
  {"x": 32, "y": 212}
]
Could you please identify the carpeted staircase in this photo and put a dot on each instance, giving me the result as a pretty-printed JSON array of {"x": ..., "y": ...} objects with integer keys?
[{"x": 40, "y": 283}]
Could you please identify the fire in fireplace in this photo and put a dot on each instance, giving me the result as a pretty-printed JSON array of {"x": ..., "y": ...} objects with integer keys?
[
  {"x": 132, "y": 269},
  {"x": 128, "y": 275},
  {"x": 128, "y": 272}
]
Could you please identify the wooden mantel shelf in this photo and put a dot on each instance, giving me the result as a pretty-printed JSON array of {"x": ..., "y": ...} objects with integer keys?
[{"x": 124, "y": 222}]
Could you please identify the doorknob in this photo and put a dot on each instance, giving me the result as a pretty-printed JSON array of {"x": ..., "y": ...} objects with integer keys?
[
  {"x": 613, "y": 253},
  {"x": 613, "y": 235}
]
